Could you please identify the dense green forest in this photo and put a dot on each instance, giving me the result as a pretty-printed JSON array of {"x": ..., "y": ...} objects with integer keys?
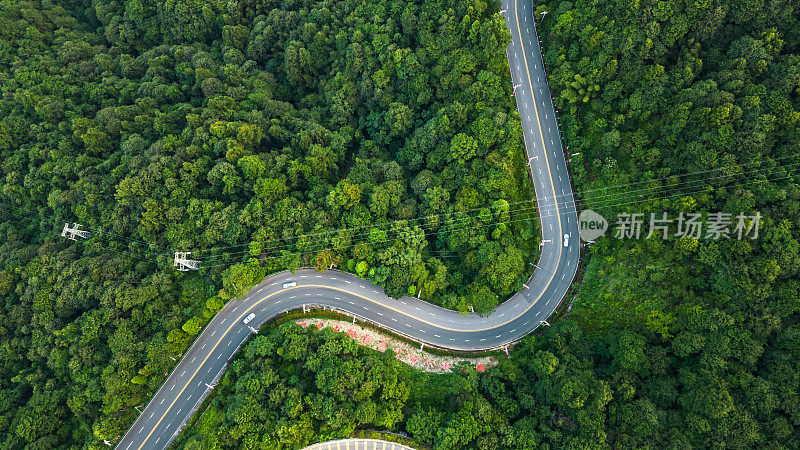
[
  {"x": 241, "y": 130},
  {"x": 260, "y": 136},
  {"x": 679, "y": 343}
]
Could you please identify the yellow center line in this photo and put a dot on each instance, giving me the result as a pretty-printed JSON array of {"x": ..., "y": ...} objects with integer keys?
[
  {"x": 552, "y": 186},
  {"x": 544, "y": 151},
  {"x": 210, "y": 352}
]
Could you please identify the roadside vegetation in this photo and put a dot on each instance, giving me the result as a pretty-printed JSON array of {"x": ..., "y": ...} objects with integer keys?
[
  {"x": 679, "y": 343},
  {"x": 232, "y": 129},
  {"x": 258, "y": 135}
]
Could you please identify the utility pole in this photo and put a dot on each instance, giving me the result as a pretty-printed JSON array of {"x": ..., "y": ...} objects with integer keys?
[
  {"x": 73, "y": 232},
  {"x": 183, "y": 264}
]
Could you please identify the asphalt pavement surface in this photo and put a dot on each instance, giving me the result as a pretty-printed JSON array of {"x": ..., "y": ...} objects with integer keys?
[{"x": 207, "y": 359}]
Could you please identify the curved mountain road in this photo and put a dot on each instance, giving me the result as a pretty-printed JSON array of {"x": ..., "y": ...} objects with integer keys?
[{"x": 206, "y": 360}]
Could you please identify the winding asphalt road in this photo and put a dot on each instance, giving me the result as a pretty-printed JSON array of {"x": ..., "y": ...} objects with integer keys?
[{"x": 206, "y": 360}]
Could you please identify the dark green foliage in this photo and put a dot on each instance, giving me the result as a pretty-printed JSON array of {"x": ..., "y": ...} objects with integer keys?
[
  {"x": 238, "y": 129},
  {"x": 293, "y": 387},
  {"x": 670, "y": 344},
  {"x": 242, "y": 131}
]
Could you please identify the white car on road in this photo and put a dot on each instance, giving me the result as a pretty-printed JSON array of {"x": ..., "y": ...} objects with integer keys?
[
  {"x": 566, "y": 240},
  {"x": 249, "y": 317},
  {"x": 289, "y": 284}
]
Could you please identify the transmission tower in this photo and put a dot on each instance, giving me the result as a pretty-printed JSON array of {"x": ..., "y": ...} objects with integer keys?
[
  {"x": 183, "y": 264},
  {"x": 73, "y": 232}
]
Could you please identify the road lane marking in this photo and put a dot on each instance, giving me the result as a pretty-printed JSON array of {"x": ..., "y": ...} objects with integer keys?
[
  {"x": 547, "y": 161},
  {"x": 352, "y": 293}
]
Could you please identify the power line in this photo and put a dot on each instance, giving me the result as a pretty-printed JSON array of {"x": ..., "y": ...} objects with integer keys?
[
  {"x": 529, "y": 218},
  {"x": 454, "y": 218},
  {"x": 605, "y": 203}
]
